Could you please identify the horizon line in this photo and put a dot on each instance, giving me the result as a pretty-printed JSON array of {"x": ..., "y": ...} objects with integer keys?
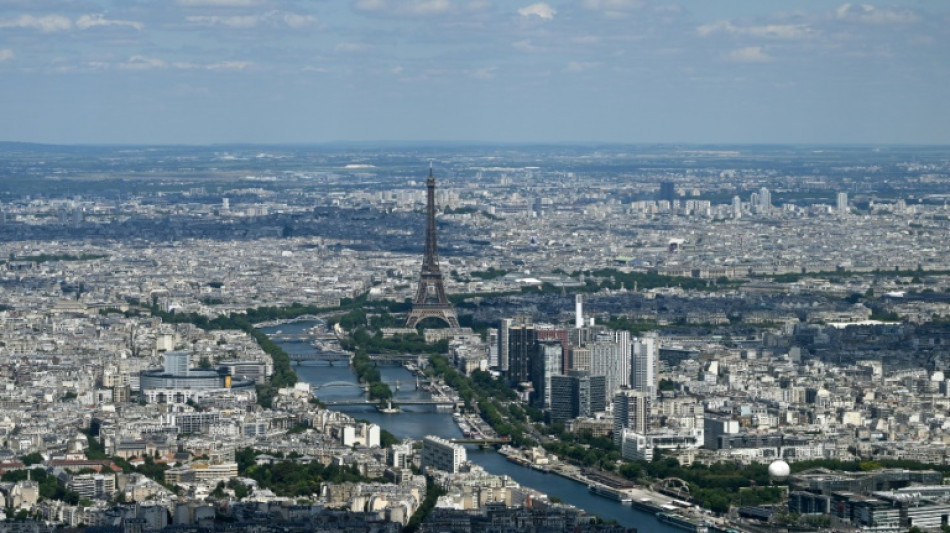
[{"x": 424, "y": 142}]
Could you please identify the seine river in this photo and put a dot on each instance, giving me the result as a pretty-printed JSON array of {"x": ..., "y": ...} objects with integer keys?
[{"x": 418, "y": 421}]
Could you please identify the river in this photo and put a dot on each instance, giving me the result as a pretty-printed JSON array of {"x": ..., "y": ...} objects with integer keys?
[{"x": 418, "y": 421}]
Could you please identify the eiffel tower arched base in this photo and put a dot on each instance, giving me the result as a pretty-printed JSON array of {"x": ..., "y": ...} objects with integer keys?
[{"x": 443, "y": 313}]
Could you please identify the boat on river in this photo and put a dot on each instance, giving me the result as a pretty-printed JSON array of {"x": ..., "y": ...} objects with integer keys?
[
  {"x": 682, "y": 522},
  {"x": 647, "y": 505},
  {"x": 607, "y": 492}
]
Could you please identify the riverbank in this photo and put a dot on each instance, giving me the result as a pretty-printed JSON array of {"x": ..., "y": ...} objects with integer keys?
[
  {"x": 650, "y": 501},
  {"x": 416, "y": 421},
  {"x": 678, "y": 514}
]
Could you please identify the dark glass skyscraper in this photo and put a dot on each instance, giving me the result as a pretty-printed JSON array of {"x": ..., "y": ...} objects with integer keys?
[
  {"x": 577, "y": 394},
  {"x": 667, "y": 191},
  {"x": 546, "y": 364},
  {"x": 522, "y": 350}
]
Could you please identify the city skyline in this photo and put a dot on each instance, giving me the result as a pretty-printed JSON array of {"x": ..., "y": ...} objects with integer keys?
[
  {"x": 624, "y": 71},
  {"x": 219, "y": 333}
]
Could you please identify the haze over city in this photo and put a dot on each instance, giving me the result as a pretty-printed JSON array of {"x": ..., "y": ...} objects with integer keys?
[
  {"x": 280, "y": 71},
  {"x": 429, "y": 266}
]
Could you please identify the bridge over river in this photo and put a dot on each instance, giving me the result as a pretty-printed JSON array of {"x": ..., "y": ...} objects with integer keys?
[
  {"x": 292, "y": 337},
  {"x": 440, "y": 404},
  {"x": 485, "y": 441},
  {"x": 345, "y": 384},
  {"x": 318, "y": 355},
  {"x": 381, "y": 358}
]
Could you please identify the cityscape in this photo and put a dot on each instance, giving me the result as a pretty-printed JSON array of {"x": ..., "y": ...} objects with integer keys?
[
  {"x": 474, "y": 266},
  {"x": 442, "y": 338}
]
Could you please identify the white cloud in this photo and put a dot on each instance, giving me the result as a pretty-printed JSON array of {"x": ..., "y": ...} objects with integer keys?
[
  {"x": 91, "y": 21},
  {"x": 371, "y": 5},
  {"x": 6, "y": 54},
  {"x": 223, "y": 65},
  {"x": 540, "y": 10},
  {"x": 614, "y": 5},
  {"x": 230, "y": 21},
  {"x": 708, "y": 29},
  {"x": 749, "y": 54},
  {"x": 55, "y": 23},
  {"x": 46, "y": 23},
  {"x": 486, "y": 73},
  {"x": 580, "y": 66},
  {"x": 526, "y": 46},
  {"x": 404, "y": 7},
  {"x": 774, "y": 31},
  {"x": 138, "y": 62},
  {"x": 296, "y": 20},
  {"x": 615, "y": 9},
  {"x": 478, "y": 5},
  {"x": 869, "y": 14},
  {"x": 271, "y": 18},
  {"x": 229, "y": 65},
  {"x": 428, "y": 7}
]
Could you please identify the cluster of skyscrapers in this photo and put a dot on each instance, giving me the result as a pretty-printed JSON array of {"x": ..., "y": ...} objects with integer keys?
[
  {"x": 581, "y": 371},
  {"x": 760, "y": 203}
]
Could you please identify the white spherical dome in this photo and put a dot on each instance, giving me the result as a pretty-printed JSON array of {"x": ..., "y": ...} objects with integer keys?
[{"x": 779, "y": 469}]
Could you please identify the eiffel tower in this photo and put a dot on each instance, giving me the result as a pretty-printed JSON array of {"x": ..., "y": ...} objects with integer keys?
[{"x": 430, "y": 300}]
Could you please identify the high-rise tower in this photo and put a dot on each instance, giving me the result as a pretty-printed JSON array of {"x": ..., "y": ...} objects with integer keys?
[
  {"x": 843, "y": 203},
  {"x": 632, "y": 410},
  {"x": 765, "y": 201},
  {"x": 643, "y": 375},
  {"x": 667, "y": 192},
  {"x": 522, "y": 350},
  {"x": 430, "y": 300}
]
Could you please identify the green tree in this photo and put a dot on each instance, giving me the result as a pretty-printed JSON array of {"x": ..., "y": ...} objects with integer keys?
[
  {"x": 31, "y": 459},
  {"x": 717, "y": 503},
  {"x": 433, "y": 491},
  {"x": 380, "y": 391}
]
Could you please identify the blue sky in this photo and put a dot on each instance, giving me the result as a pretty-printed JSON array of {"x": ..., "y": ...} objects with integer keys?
[{"x": 275, "y": 71}]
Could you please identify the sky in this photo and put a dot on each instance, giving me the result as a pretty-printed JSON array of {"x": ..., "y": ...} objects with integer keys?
[{"x": 624, "y": 71}]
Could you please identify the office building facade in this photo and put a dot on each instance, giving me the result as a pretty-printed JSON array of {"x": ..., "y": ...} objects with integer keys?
[
  {"x": 631, "y": 410},
  {"x": 577, "y": 394},
  {"x": 546, "y": 364}
]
